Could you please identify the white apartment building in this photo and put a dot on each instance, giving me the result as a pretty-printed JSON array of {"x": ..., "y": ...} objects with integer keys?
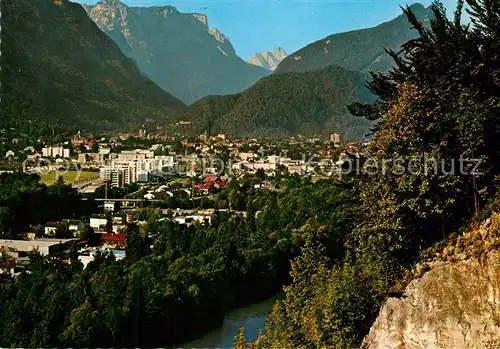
[
  {"x": 264, "y": 166},
  {"x": 120, "y": 171},
  {"x": 109, "y": 206},
  {"x": 55, "y": 152},
  {"x": 118, "y": 176},
  {"x": 98, "y": 223},
  {"x": 143, "y": 176},
  {"x": 155, "y": 164},
  {"x": 165, "y": 161},
  {"x": 274, "y": 159},
  {"x": 135, "y": 155},
  {"x": 129, "y": 156},
  {"x": 254, "y": 166}
]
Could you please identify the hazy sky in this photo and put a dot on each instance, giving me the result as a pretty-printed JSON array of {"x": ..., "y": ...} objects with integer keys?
[{"x": 254, "y": 26}]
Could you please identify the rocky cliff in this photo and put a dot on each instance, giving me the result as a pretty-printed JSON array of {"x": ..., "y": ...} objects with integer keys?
[
  {"x": 268, "y": 60},
  {"x": 178, "y": 51},
  {"x": 454, "y": 304}
]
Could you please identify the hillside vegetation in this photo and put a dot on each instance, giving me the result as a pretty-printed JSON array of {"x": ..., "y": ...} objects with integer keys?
[
  {"x": 362, "y": 50},
  {"x": 58, "y": 68},
  {"x": 441, "y": 101},
  {"x": 286, "y": 104},
  {"x": 172, "y": 292},
  {"x": 309, "y": 90}
]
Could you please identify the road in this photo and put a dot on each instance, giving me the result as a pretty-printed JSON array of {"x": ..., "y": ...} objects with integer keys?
[
  {"x": 140, "y": 200},
  {"x": 90, "y": 188}
]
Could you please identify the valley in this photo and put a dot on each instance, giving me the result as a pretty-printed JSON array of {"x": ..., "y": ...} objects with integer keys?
[{"x": 249, "y": 175}]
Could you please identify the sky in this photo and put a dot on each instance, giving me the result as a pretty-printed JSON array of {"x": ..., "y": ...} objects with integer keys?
[{"x": 259, "y": 25}]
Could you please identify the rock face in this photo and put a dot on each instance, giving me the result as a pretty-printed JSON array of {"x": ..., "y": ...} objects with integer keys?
[
  {"x": 268, "y": 60},
  {"x": 454, "y": 305},
  {"x": 178, "y": 51}
]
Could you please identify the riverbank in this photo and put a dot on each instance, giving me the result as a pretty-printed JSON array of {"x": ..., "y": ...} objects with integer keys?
[{"x": 252, "y": 317}]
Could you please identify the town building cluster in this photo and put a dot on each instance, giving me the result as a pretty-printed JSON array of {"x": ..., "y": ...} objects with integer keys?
[
  {"x": 141, "y": 162},
  {"x": 162, "y": 169}
]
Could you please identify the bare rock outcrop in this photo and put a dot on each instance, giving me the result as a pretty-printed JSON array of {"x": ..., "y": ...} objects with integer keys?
[
  {"x": 268, "y": 60},
  {"x": 177, "y": 51},
  {"x": 455, "y": 304}
]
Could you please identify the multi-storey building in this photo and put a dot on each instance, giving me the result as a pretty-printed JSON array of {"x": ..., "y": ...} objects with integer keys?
[
  {"x": 135, "y": 166},
  {"x": 55, "y": 152},
  {"x": 335, "y": 138},
  {"x": 116, "y": 176},
  {"x": 143, "y": 176},
  {"x": 135, "y": 155}
]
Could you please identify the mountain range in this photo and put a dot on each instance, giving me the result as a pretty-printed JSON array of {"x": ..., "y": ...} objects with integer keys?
[
  {"x": 108, "y": 67},
  {"x": 362, "y": 50},
  {"x": 268, "y": 60},
  {"x": 178, "y": 51},
  {"x": 284, "y": 105},
  {"x": 58, "y": 68},
  {"x": 308, "y": 91}
]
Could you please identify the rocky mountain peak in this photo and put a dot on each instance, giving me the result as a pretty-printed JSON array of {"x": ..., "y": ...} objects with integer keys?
[
  {"x": 280, "y": 50},
  {"x": 111, "y": 3},
  {"x": 268, "y": 60},
  {"x": 177, "y": 51},
  {"x": 201, "y": 17},
  {"x": 217, "y": 35},
  {"x": 168, "y": 10},
  {"x": 108, "y": 14}
]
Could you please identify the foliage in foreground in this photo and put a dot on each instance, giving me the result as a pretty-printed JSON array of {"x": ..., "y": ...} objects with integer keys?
[
  {"x": 442, "y": 100},
  {"x": 176, "y": 282}
]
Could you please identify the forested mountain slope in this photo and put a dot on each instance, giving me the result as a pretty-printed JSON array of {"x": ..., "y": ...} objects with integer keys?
[
  {"x": 286, "y": 104},
  {"x": 58, "y": 68},
  {"x": 429, "y": 174},
  {"x": 362, "y": 49}
]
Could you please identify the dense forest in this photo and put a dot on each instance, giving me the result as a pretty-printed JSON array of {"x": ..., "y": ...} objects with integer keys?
[
  {"x": 359, "y": 50},
  {"x": 441, "y": 100},
  {"x": 59, "y": 69},
  {"x": 284, "y": 105},
  {"x": 25, "y": 202},
  {"x": 176, "y": 282}
]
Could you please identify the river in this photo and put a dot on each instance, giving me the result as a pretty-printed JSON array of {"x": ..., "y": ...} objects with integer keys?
[{"x": 252, "y": 318}]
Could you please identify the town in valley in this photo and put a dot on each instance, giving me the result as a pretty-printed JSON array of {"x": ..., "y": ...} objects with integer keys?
[
  {"x": 181, "y": 178},
  {"x": 250, "y": 174}
]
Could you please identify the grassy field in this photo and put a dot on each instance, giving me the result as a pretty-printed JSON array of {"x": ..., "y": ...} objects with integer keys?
[
  {"x": 69, "y": 177},
  {"x": 184, "y": 181}
]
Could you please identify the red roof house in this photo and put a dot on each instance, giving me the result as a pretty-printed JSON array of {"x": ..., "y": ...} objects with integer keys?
[
  {"x": 118, "y": 239},
  {"x": 212, "y": 180}
]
